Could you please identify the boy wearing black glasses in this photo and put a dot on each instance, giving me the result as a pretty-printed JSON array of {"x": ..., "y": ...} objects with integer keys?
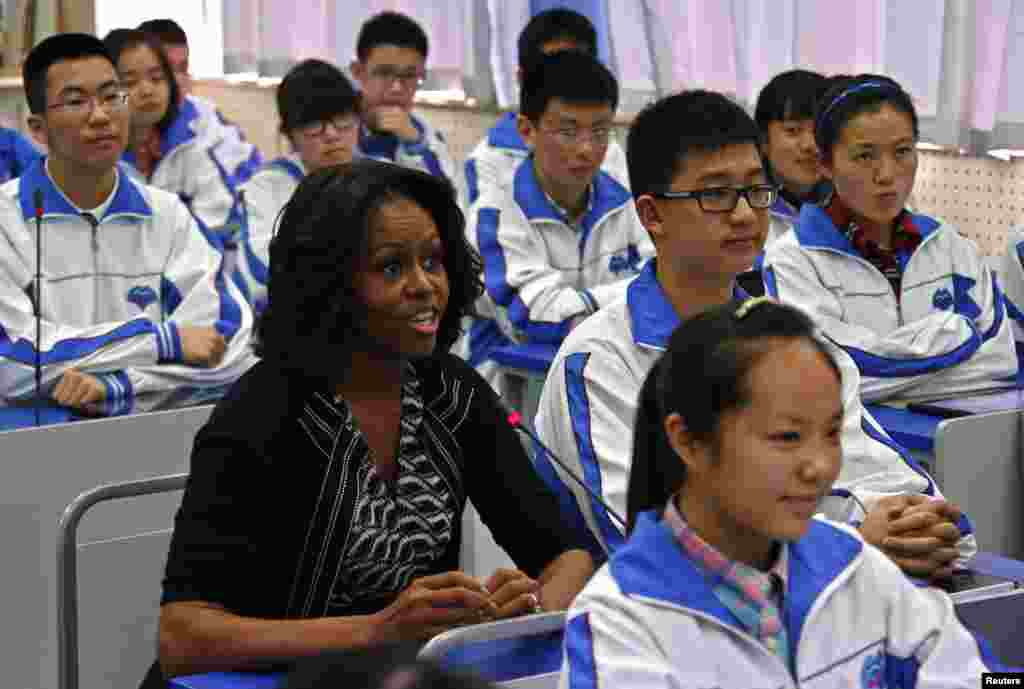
[
  {"x": 132, "y": 298},
  {"x": 561, "y": 239},
  {"x": 701, "y": 191},
  {"x": 319, "y": 116},
  {"x": 391, "y": 52}
]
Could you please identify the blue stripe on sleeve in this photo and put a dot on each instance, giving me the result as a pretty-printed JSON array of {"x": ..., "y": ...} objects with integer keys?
[
  {"x": 568, "y": 508},
  {"x": 472, "y": 180},
  {"x": 170, "y": 296},
  {"x": 770, "y": 285},
  {"x": 579, "y": 414},
  {"x": 117, "y": 384},
  {"x": 885, "y": 367},
  {"x": 998, "y": 304},
  {"x": 257, "y": 268},
  {"x": 495, "y": 268},
  {"x": 230, "y": 311},
  {"x": 874, "y": 434},
  {"x": 579, "y": 653},
  {"x": 23, "y": 351}
]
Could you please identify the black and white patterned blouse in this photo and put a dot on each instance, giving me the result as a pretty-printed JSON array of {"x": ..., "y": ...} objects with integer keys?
[{"x": 284, "y": 516}]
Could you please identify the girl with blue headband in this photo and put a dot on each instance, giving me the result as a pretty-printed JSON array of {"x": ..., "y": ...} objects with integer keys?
[{"x": 909, "y": 298}]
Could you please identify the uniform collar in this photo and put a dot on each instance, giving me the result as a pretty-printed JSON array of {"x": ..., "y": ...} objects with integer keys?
[
  {"x": 181, "y": 129},
  {"x": 128, "y": 198},
  {"x": 815, "y": 230},
  {"x": 505, "y": 134},
  {"x": 606, "y": 195},
  {"x": 652, "y": 315},
  {"x": 652, "y": 565}
]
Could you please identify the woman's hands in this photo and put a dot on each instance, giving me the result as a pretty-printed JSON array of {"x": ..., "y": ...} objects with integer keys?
[
  {"x": 513, "y": 594},
  {"x": 432, "y": 605}
]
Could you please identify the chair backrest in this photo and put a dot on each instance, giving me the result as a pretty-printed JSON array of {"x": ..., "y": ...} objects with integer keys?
[
  {"x": 523, "y": 651},
  {"x": 978, "y": 466},
  {"x": 137, "y": 559}
]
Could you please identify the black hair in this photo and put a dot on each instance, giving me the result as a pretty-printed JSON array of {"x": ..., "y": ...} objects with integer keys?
[
  {"x": 664, "y": 133},
  {"x": 791, "y": 95},
  {"x": 559, "y": 23},
  {"x": 314, "y": 91},
  {"x": 167, "y": 30},
  {"x": 702, "y": 375},
  {"x": 119, "y": 41},
  {"x": 57, "y": 48},
  {"x": 571, "y": 76},
  {"x": 848, "y": 97},
  {"x": 391, "y": 28},
  {"x": 314, "y": 314},
  {"x": 392, "y": 667}
]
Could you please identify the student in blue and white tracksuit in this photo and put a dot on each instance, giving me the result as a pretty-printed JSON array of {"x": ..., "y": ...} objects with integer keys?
[
  {"x": 908, "y": 297},
  {"x": 318, "y": 110},
  {"x": 1011, "y": 279},
  {"x": 133, "y": 299},
  {"x": 16, "y": 154},
  {"x": 494, "y": 160},
  {"x": 728, "y": 579},
  {"x": 175, "y": 145},
  {"x": 563, "y": 240},
  {"x": 588, "y": 405},
  {"x": 391, "y": 52},
  {"x": 785, "y": 117}
]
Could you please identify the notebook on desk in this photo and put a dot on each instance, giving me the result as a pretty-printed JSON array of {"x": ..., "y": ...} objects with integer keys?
[{"x": 967, "y": 586}]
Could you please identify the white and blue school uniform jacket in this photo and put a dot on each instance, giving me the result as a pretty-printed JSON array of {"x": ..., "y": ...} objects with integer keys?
[
  {"x": 429, "y": 153},
  {"x": 494, "y": 160},
  {"x": 265, "y": 195},
  {"x": 948, "y": 333},
  {"x": 650, "y": 619},
  {"x": 204, "y": 162},
  {"x": 1011, "y": 279},
  {"x": 781, "y": 219},
  {"x": 588, "y": 407},
  {"x": 16, "y": 154},
  {"x": 113, "y": 295},
  {"x": 539, "y": 272}
]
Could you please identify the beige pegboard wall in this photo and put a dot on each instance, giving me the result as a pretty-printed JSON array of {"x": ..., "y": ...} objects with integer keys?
[{"x": 983, "y": 197}]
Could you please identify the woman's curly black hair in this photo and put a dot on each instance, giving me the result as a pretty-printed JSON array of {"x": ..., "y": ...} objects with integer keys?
[{"x": 314, "y": 316}]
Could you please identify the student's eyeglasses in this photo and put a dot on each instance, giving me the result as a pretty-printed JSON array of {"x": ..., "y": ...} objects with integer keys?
[
  {"x": 110, "y": 101},
  {"x": 343, "y": 124},
  {"x": 571, "y": 136},
  {"x": 725, "y": 199},
  {"x": 407, "y": 78}
]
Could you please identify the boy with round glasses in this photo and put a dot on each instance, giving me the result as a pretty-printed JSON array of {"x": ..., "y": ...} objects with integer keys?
[
  {"x": 132, "y": 298},
  {"x": 494, "y": 160},
  {"x": 391, "y": 52},
  {"x": 562, "y": 239},
  {"x": 319, "y": 116}
]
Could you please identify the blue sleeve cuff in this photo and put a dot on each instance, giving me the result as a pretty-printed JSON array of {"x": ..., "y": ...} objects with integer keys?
[
  {"x": 118, "y": 386},
  {"x": 168, "y": 344}
]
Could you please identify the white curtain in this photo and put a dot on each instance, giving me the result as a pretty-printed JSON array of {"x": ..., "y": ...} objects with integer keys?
[
  {"x": 268, "y": 37},
  {"x": 955, "y": 57}
]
